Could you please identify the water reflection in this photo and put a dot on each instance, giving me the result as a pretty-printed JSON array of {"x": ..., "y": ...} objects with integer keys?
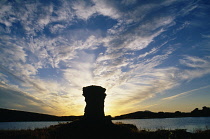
[
  {"x": 189, "y": 123},
  {"x": 27, "y": 125}
]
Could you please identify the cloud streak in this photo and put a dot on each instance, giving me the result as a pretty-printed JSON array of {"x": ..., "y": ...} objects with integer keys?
[
  {"x": 51, "y": 50},
  {"x": 185, "y": 93}
]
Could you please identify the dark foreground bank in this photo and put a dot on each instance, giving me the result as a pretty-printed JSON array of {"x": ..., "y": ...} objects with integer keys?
[{"x": 81, "y": 129}]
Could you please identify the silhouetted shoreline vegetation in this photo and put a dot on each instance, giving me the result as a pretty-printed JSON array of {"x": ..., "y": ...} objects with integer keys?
[
  {"x": 78, "y": 129},
  {"x": 204, "y": 112},
  {"x": 7, "y": 115}
]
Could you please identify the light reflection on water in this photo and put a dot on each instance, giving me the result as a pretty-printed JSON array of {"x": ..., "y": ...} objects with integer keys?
[{"x": 189, "y": 123}]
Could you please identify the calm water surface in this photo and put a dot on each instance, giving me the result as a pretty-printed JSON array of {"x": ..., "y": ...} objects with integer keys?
[
  {"x": 27, "y": 125},
  {"x": 189, "y": 123}
]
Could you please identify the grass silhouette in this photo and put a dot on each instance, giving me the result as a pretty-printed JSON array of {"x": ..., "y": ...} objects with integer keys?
[{"x": 87, "y": 130}]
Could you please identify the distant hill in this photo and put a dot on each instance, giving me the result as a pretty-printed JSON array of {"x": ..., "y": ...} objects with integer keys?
[
  {"x": 7, "y": 115},
  {"x": 205, "y": 112}
]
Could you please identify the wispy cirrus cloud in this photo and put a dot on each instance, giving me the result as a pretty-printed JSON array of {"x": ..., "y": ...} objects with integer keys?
[
  {"x": 85, "y": 9},
  {"x": 51, "y": 50},
  {"x": 198, "y": 67},
  {"x": 184, "y": 93},
  {"x": 13, "y": 97}
]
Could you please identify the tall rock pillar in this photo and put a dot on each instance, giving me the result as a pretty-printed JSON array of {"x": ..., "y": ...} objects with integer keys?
[{"x": 94, "y": 98}]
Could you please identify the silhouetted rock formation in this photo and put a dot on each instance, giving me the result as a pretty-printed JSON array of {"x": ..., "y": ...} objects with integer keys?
[
  {"x": 94, "y": 124},
  {"x": 94, "y": 98}
]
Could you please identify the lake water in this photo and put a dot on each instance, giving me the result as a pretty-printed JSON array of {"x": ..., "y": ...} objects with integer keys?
[
  {"x": 27, "y": 125},
  {"x": 189, "y": 123}
]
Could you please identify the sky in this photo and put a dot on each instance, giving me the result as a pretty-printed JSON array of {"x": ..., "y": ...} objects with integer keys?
[{"x": 149, "y": 55}]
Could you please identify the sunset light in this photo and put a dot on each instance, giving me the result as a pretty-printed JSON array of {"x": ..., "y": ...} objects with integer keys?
[{"x": 149, "y": 55}]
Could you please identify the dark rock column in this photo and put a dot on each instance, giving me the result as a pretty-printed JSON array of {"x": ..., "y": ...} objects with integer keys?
[{"x": 94, "y": 98}]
